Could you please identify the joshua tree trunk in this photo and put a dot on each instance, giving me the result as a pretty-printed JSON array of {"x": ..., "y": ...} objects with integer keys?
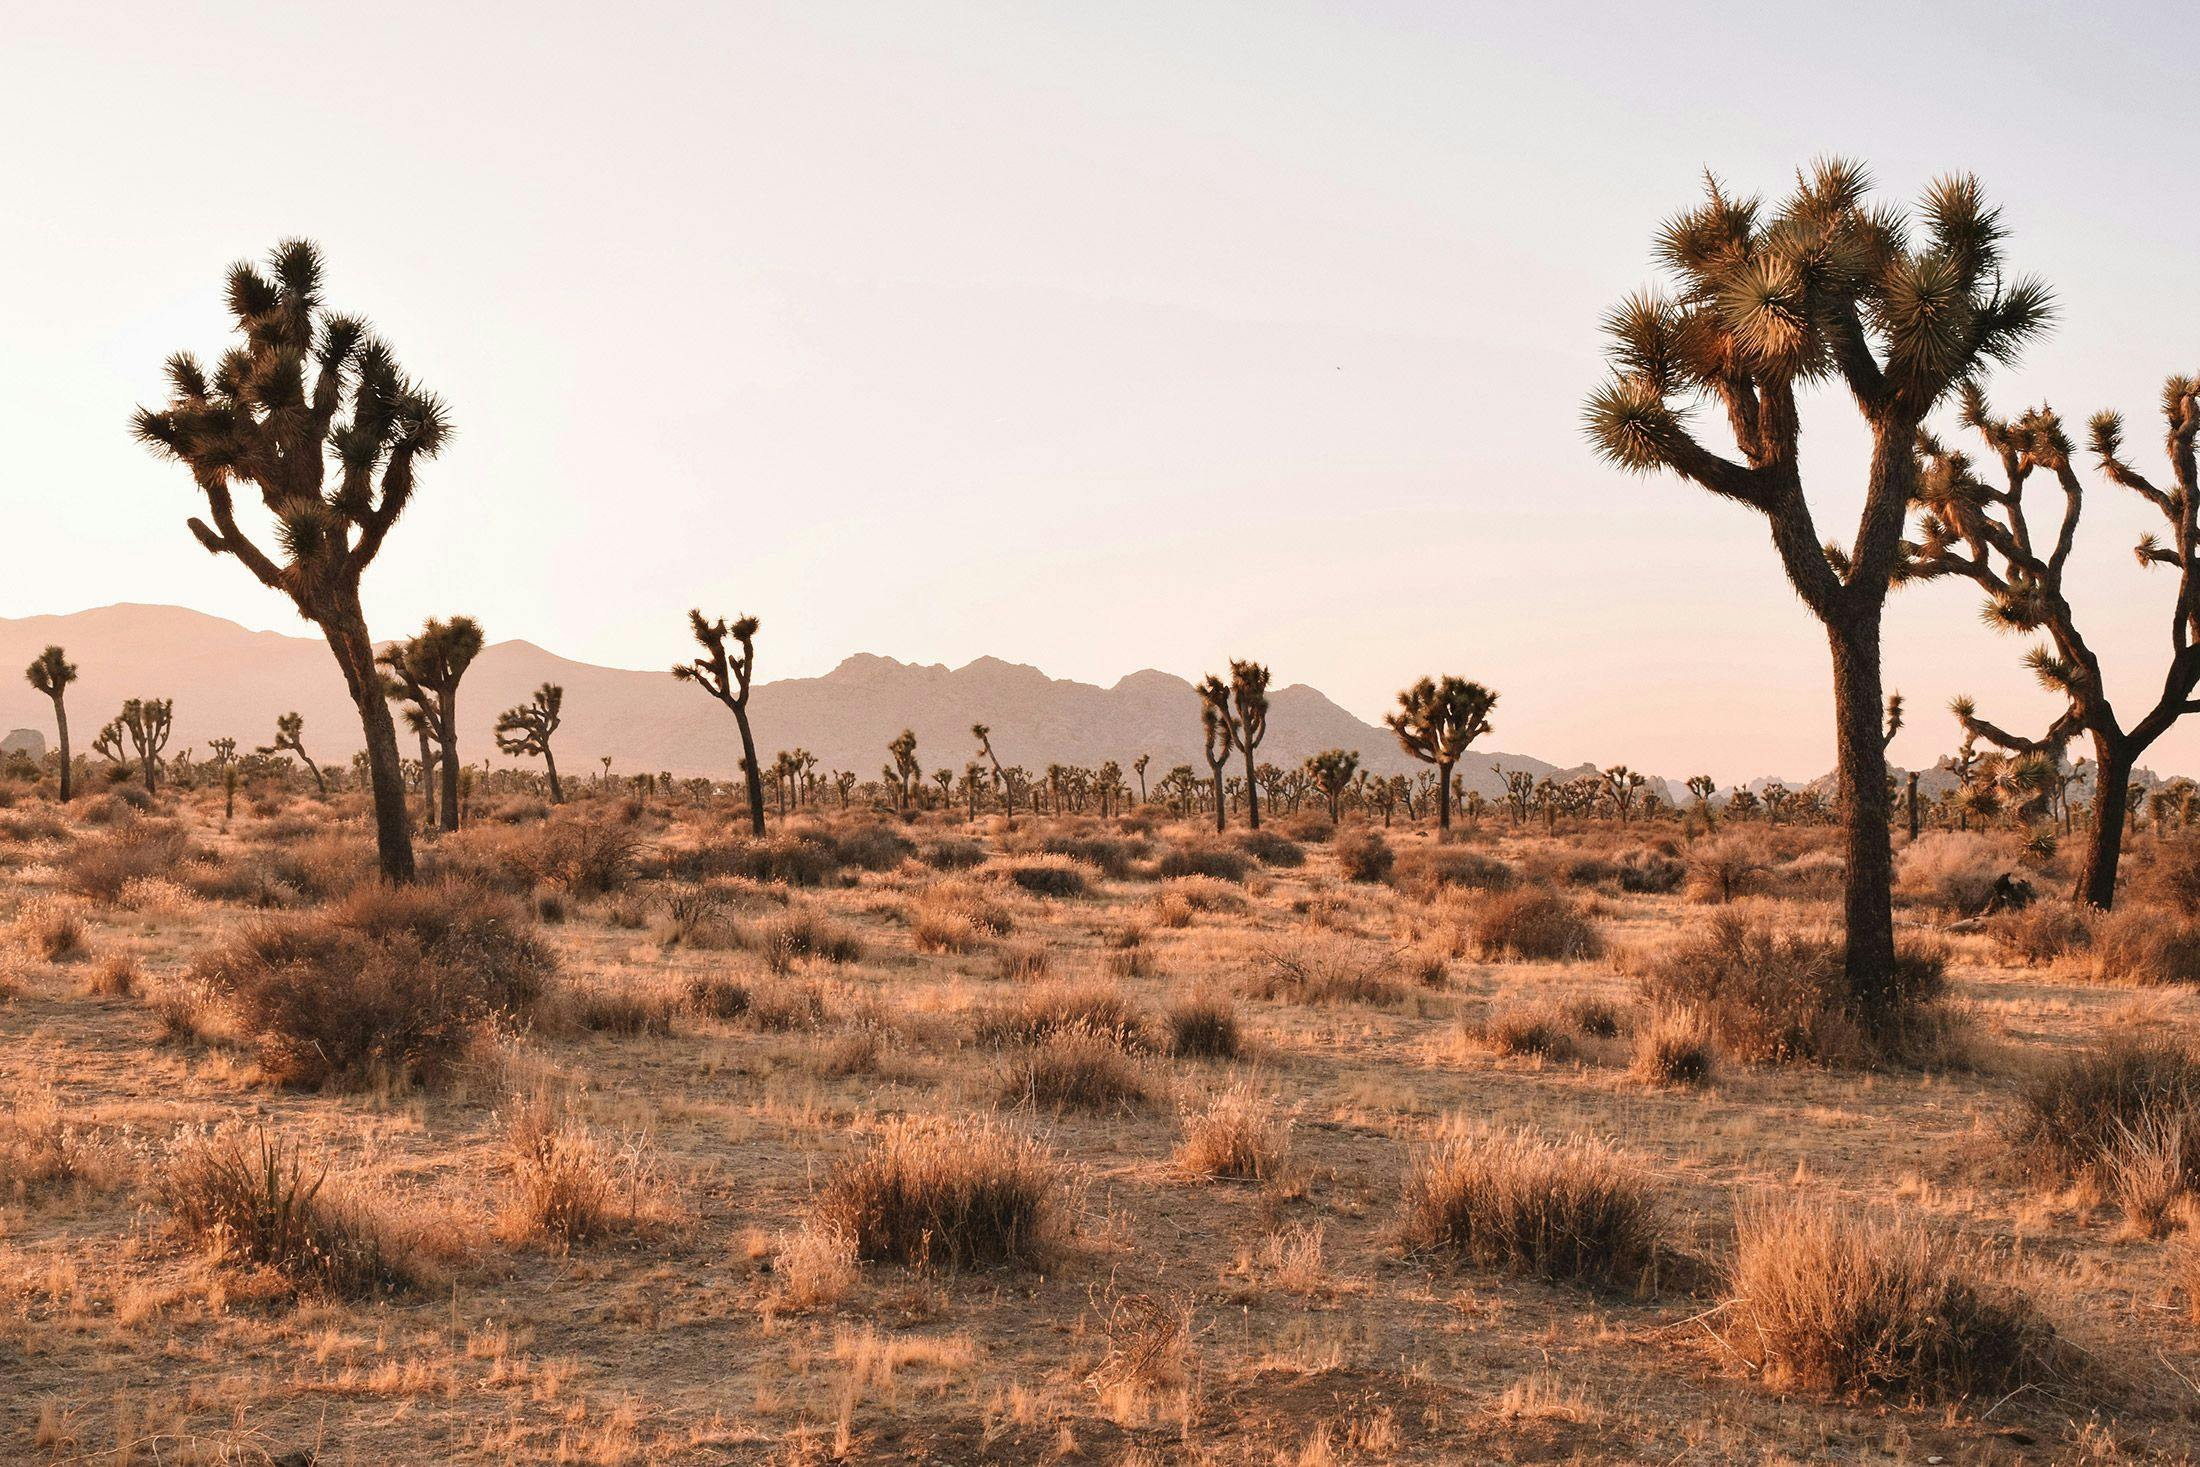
[
  {"x": 1222, "y": 808},
  {"x": 750, "y": 774},
  {"x": 320, "y": 782},
  {"x": 1443, "y": 800},
  {"x": 1868, "y": 885},
  {"x": 1912, "y": 803},
  {"x": 427, "y": 781},
  {"x": 550, "y": 766},
  {"x": 354, "y": 651},
  {"x": 61, "y": 727},
  {"x": 2112, "y": 761},
  {"x": 1252, "y": 794},
  {"x": 449, "y": 701}
]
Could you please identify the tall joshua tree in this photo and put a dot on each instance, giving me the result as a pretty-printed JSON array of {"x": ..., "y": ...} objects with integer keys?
[
  {"x": 290, "y": 731},
  {"x": 1766, "y": 304},
  {"x": 984, "y": 735},
  {"x": 428, "y": 667},
  {"x": 726, "y": 677},
  {"x": 307, "y": 391},
  {"x": 1971, "y": 529},
  {"x": 1249, "y": 690},
  {"x": 1219, "y": 730},
  {"x": 907, "y": 773},
  {"x": 51, "y": 673},
  {"x": 1436, "y": 723},
  {"x": 525, "y": 730}
]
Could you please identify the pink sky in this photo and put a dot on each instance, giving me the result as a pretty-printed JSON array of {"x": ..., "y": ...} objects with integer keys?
[{"x": 1091, "y": 337}]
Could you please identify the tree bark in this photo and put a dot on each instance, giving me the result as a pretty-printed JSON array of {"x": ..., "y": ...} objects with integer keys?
[
  {"x": 1252, "y": 793},
  {"x": 61, "y": 726},
  {"x": 751, "y": 776},
  {"x": 447, "y": 700},
  {"x": 354, "y": 651},
  {"x": 1221, "y": 809},
  {"x": 1443, "y": 800},
  {"x": 2112, "y": 762},
  {"x": 550, "y": 765},
  {"x": 1868, "y": 884}
]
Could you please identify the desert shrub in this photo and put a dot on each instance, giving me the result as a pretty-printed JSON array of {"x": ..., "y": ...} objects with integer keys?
[
  {"x": 1831, "y": 1300},
  {"x": 1215, "y": 862},
  {"x": 1022, "y": 962},
  {"x": 619, "y": 1009},
  {"x": 1954, "y": 869},
  {"x": 2044, "y": 932},
  {"x": 947, "y": 1194},
  {"x": 50, "y": 930},
  {"x": 954, "y": 854},
  {"x": 1058, "y": 1008},
  {"x": 1675, "y": 1048},
  {"x": 1598, "y": 1018},
  {"x": 716, "y": 996},
  {"x": 42, "y": 1150},
  {"x": 1779, "y": 997},
  {"x": 2171, "y": 874},
  {"x": 117, "y": 976},
  {"x": 585, "y": 857},
  {"x": 813, "y": 1267},
  {"x": 1047, "y": 877},
  {"x": 391, "y": 983},
  {"x": 1108, "y": 855},
  {"x": 1271, "y": 849},
  {"x": 1237, "y": 1135},
  {"x": 569, "y": 1184},
  {"x": 1183, "y": 897},
  {"x": 780, "y": 1006},
  {"x": 101, "y": 868},
  {"x": 1365, "y": 856},
  {"x": 2073, "y": 1114},
  {"x": 956, "y": 917},
  {"x": 1325, "y": 972},
  {"x": 1727, "y": 867},
  {"x": 872, "y": 847},
  {"x": 1537, "y": 1029},
  {"x": 1568, "y": 1210},
  {"x": 2144, "y": 944},
  {"x": 1536, "y": 923},
  {"x": 319, "y": 868},
  {"x": 1075, "y": 1068},
  {"x": 1650, "y": 870},
  {"x": 1426, "y": 869},
  {"x": 1204, "y": 1027},
  {"x": 1129, "y": 954},
  {"x": 797, "y": 935},
  {"x": 257, "y": 1199},
  {"x": 804, "y": 859}
]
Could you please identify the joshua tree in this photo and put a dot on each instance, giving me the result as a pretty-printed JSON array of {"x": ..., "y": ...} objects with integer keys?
[
  {"x": 1249, "y": 688},
  {"x": 984, "y": 735},
  {"x": 426, "y": 670},
  {"x": 1436, "y": 722},
  {"x": 1219, "y": 729},
  {"x": 974, "y": 775},
  {"x": 1970, "y": 529},
  {"x": 1622, "y": 785},
  {"x": 51, "y": 674},
  {"x": 306, "y": 391},
  {"x": 1333, "y": 770},
  {"x": 1108, "y": 779},
  {"x": 289, "y": 738},
  {"x": 726, "y": 677},
  {"x": 525, "y": 730},
  {"x": 1827, "y": 289},
  {"x": 905, "y": 771},
  {"x": 945, "y": 779},
  {"x": 1139, "y": 764},
  {"x": 145, "y": 722}
]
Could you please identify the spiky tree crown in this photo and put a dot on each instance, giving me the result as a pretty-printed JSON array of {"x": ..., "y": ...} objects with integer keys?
[
  {"x": 725, "y": 676},
  {"x": 1436, "y": 722},
  {"x": 51, "y": 672},
  {"x": 306, "y": 392},
  {"x": 526, "y": 729}
]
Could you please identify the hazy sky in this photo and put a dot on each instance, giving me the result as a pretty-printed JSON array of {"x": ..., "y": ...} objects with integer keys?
[{"x": 1097, "y": 337}]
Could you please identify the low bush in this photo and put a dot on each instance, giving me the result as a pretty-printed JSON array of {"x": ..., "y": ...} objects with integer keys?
[
  {"x": 1953, "y": 869},
  {"x": 2146, "y": 944},
  {"x": 1365, "y": 856},
  {"x": 1539, "y": 1030},
  {"x": 143, "y": 850},
  {"x": 1055, "y": 876},
  {"x": 1075, "y": 1068},
  {"x": 802, "y": 935},
  {"x": 1325, "y": 972},
  {"x": 948, "y": 1194},
  {"x": 259, "y": 1200},
  {"x": 1215, "y": 862},
  {"x": 1675, "y": 1048},
  {"x": 1236, "y": 1135},
  {"x": 1271, "y": 849},
  {"x": 1205, "y": 1027},
  {"x": 1059, "y": 1008},
  {"x": 1568, "y": 1210},
  {"x": 1426, "y": 869},
  {"x": 1729, "y": 866},
  {"x": 2044, "y": 932},
  {"x": 1535, "y": 923}
]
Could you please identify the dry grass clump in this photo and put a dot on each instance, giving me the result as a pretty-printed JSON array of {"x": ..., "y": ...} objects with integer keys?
[
  {"x": 1216, "y": 862},
  {"x": 1650, "y": 869},
  {"x": 1204, "y": 1026},
  {"x": 389, "y": 985},
  {"x": 1426, "y": 869},
  {"x": 117, "y": 976},
  {"x": 797, "y": 935},
  {"x": 2044, "y": 932},
  {"x": 1130, "y": 952},
  {"x": 582, "y": 856},
  {"x": 1365, "y": 856},
  {"x": 49, "y": 929},
  {"x": 1724, "y": 868},
  {"x": 949, "y": 1194},
  {"x": 1111, "y": 856},
  {"x": 619, "y": 1008},
  {"x": 570, "y": 1185},
  {"x": 1075, "y": 1069},
  {"x": 1325, "y": 972},
  {"x": 1183, "y": 897},
  {"x": 1046, "y": 876},
  {"x": 1953, "y": 869},
  {"x": 1781, "y": 997},
  {"x": 2145, "y": 944},
  {"x": 781, "y": 1006},
  {"x": 101, "y": 868},
  {"x": 717, "y": 996},
  {"x": 260, "y": 1200},
  {"x": 42, "y": 1150},
  {"x": 813, "y": 1267},
  {"x": 2114, "y": 1113},
  {"x": 1830, "y": 1300},
  {"x": 1675, "y": 1047},
  {"x": 1064, "y": 1008},
  {"x": 1535, "y": 923},
  {"x": 1539, "y": 1030},
  {"x": 1569, "y": 1210},
  {"x": 956, "y": 917},
  {"x": 1022, "y": 962},
  {"x": 954, "y": 853},
  {"x": 1237, "y": 1135}
]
